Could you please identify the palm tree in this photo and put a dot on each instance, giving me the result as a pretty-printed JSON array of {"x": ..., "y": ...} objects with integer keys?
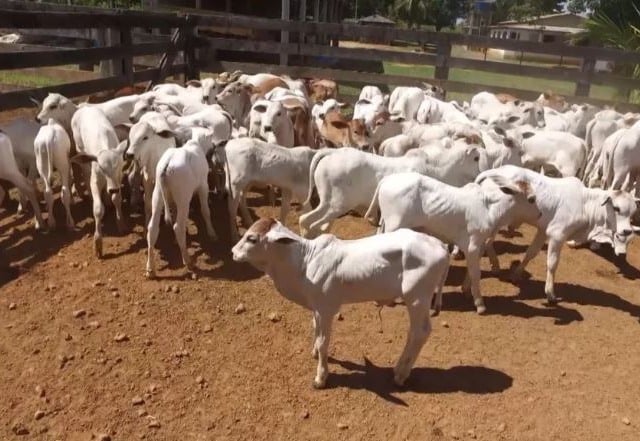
[
  {"x": 412, "y": 11},
  {"x": 603, "y": 29}
]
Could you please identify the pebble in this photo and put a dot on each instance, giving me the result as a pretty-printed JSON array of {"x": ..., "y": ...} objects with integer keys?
[
  {"x": 274, "y": 317},
  {"x": 502, "y": 427},
  {"x": 153, "y": 423},
  {"x": 40, "y": 391},
  {"x": 343, "y": 426},
  {"x": 137, "y": 401},
  {"x": 19, "y": 429},
  {"x": 104, "y": 437},
  {"x": 79, "y": 313},
  {"x": 142, "y": 413},
  {"x": 304, "y": 414},
  {"x": 339, "y": 317},
  {"x": 121, "y": 337},
  {"x": 167, "y": 288},
  {"x": 240, "y": 308},
  {"x": 626, "y": 421},
  {"x": 471, "y": 433},
  {"x": 207, "y": 328},
  {"x": 94, "y": 324},
  {"x": 97, "y": 284},
  {"x": 445, "y": 324},
  {"x": 199, "y": 379},
  {"x": 563, "y": 374},
  {"x": 39, "y": 414},
  {"x": 175, "y": 289},
  {"x": 12, "y": 306},
  {"x": 68, "y": 337}
]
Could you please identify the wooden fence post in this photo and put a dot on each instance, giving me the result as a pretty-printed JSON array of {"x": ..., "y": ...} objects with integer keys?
[
  {"x": 583, "y": 84},
  {"x": 443, "y": 53},
  {"x": 191, "y": 69},
  {"x": 127, "y": 61},
  {"x": 284, "y": 35}
]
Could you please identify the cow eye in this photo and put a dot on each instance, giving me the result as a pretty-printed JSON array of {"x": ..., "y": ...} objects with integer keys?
[
  {"x": 52, "y": 106},
  {"x": 279, "y": 113},
  {"x": 144, "y": 138},
  {"x": 252, "y": 239},
  {"x": 616, "y": 209}
]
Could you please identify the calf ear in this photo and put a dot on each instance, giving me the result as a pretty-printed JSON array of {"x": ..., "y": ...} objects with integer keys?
[
  {"x": 83, "y": 158},
  {"x": 507, "y": 190},
  {"x": 165, "y": 133},
  {"x": 606, "y": 200},
  {"x": 260, "y": 108},
  {"x": 513, "y": 118},
  {"x": 122, "y": 147},
  {"x": 339, "y": 124},
  {"x": 284, "y": 240},
  {"x": 193, "y": 83},
  {"x": 500, "y": 131}
]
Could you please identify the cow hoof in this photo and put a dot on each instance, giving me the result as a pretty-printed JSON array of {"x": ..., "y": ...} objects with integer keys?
[
  {"x": 151, "y": 275},
  {"x": 97, "y": 247},
  {"x": 399, "y": 379},
  {"x": 552, "y": 301},
  {"x": 319, "y": 384},
  {"x": 435, "y": 312},
  {"x": 481, "y": 309}
]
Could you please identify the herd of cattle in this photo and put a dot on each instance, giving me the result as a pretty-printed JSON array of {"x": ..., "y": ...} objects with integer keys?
[{"x": 453, "y": 173}]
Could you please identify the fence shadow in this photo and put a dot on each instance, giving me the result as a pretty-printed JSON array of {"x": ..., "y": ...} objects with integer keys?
[{"x": 379, "y": 380}]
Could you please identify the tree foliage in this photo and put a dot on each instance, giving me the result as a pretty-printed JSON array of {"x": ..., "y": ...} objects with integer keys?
[{"x": 438, "y": 13}]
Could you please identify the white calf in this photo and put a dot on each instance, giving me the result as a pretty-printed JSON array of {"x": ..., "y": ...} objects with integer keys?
[
  {"x": 466, "y": 217},
  {"x": 322, "y": 274},
  {"x": 52, "y": 146},
  {"x": 181, "y": 172},
  {"x": 9, "y": 171},
  {"x": 570, "y": 211},
  {"x": 252, "y": 161},
  {"x": 347, "y": 178}
]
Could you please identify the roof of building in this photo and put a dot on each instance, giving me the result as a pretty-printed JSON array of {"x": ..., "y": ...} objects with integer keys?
[
  {"x": 542, "y": 17},
  {"x": 376, "y": 18},
  {"x": 536, "y": 27}
]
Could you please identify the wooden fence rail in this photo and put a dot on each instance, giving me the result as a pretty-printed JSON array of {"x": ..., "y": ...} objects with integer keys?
[{"x": 185, "y": 39}]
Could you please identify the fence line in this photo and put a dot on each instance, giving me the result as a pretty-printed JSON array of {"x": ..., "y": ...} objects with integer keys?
[{"x": 202, "y": 52}]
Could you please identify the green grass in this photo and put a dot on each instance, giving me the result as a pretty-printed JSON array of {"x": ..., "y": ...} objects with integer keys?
[
  {"x": 27, "y": 80},
  {"x": 495, "y": 79}
]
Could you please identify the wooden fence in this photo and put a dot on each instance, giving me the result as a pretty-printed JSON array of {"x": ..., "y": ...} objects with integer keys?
[{"x": 294, "y": 49}]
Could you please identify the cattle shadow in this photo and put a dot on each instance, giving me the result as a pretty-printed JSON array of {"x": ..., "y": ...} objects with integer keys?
[
  {"x": 627, "y": 270},
  {"x": 580, "y": 295},
  {"x": 477, "y": 380},
  {"x": 504, "y": 247},
  {"x": 510, "y": 306}
]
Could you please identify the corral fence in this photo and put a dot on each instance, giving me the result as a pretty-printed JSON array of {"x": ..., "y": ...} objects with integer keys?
[{"x": 199, "y": 43}]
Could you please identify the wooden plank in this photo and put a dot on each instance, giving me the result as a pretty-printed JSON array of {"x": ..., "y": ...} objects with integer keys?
[
  {"x": 318, "y": 50},
  {"x": 397, "y": 80},
  {"x": 74, "y": 20},
  {"x": 20, "y": 60},
  {"x": 442, "y": 60},
  {"x": 550, "y": 73},
  {"x": 284, "y": 34},
  {"x": 352, "y": 31},
  {"x": 583, "y": 84},
  {"x": 177, "y": 43},
  {"x": 127, "y": 59},
  {"x": 21, "y": 98}
]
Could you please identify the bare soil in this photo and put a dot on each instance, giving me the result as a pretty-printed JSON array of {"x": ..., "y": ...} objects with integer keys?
[{"x": 81, "y": 340}]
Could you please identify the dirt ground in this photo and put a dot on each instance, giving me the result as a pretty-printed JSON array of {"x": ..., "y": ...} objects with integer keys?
[{"x": 91, "y": 347}]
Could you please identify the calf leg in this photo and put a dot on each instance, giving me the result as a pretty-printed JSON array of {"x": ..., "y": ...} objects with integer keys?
[
  {"x": 285, "y": 205},
  {"x": 23, "y": 185},
  {"x": 232, "y": 203},
  {"x": 244, "y": 210},
  {"x": 532, "y": 251},
  {"x": 153, "y": 229},
  {"x": 473, "y": 268},
  {"x": 180, "y": 230},
  {"x": 323, "y": 334},
  {"x": 116, "y": 198},
  {"x": 98, "y": 214},
  {"x": 66, "y": 196},
  {"x": 48, "y": 197},
  {"x": 203, "y": 198},
  {"x": 553, "y": 257},
  {"x": 314, "y": 349},
  {"x": 419, "y": 330}
]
